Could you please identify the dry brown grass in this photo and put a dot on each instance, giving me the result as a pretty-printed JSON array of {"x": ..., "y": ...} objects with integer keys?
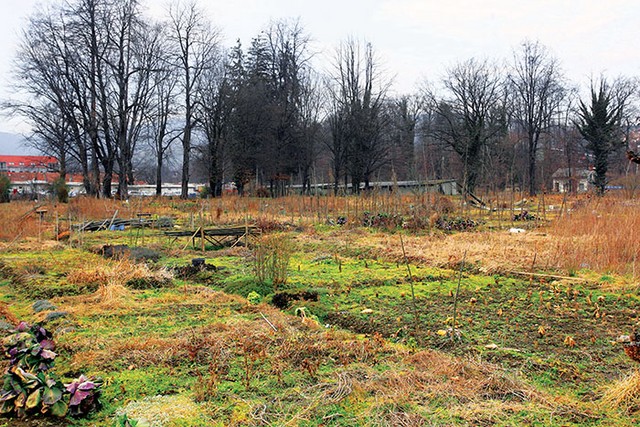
[
  {"x": 19, "y": 220},
  {"x": 95, "y": 276},
  {"x": 302, "y": 210},
  {"x": 477, "y": 392},
  {"x": 138, "y": 352},
  {"x": 601, "y": 235},
  {"x": 7, "y": 314},
  {"x": 86, "y": 208},
  {"x": 467, "y": 379},
  {"x": 596, "y": 234},
  {"x": 492, "y": 252},
  {"x": 624, "y": 394},
  {"x": 112, "y": 277}
]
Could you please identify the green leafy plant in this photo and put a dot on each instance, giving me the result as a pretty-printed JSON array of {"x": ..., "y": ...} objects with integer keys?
[
  {"x": 254, "y": 297},
  {"x": 25, "y": 393}
]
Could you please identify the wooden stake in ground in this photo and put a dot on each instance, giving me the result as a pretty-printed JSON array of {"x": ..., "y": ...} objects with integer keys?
[
  {"x": 455, "y": 298},
  {"x": 533, "y": 265},
  {"x": 202, "y": 241},
  {"x": 413, "y": 294}
]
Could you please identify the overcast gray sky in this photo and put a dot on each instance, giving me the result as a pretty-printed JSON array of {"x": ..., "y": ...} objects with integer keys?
[{"x": 417, "y": 39}]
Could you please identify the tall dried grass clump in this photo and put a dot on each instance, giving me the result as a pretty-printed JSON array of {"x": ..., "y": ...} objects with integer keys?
[
  {"x": 600, "y": 236},
  {"x": 80, "y": 208},
  {"x": 20, "y": 221},
  {"x": 111, "y": 293},
  {"x": 84, "y": 277},
  {"x": 113, "y": 278},
  {"x": 624, "y": 394},
  {"x": 271, "y": 258}
]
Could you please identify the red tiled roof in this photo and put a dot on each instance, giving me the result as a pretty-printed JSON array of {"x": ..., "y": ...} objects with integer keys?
[
  {"x": 28, "y": 160},
  {"x": 40, "y": 176},
  {"x": 32, "y": 176}
]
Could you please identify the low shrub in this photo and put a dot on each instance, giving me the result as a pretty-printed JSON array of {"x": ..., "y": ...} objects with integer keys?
[
  {"x": 456, "y": 224},
  {"x": 271, "y": 258},
  {"x": 254, "y": 298},
  {"x": 524, "y": 216},
  {"x": 381, "y": 220},
  {"x": 245, "y": 287}
]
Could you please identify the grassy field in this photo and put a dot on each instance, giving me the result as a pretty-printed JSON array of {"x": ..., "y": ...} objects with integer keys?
[{"x": 383, "y": 310}]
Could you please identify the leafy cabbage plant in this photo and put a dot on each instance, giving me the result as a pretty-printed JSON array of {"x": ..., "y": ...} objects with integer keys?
[{"x": 29, "y": 387}]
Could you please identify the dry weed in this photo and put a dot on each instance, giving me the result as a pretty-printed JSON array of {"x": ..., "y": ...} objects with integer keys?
[
  {"x": 486, "y": 413},
  {"x": 111, "y": 294},
  {"x": 207, "y": 295},
  {"x": 404, "y": 419},
  {"x": 161, "y": 410},
  {"x": 8, "y": 315},
  {"x": 600, "y": 236},
  {"x": 135, "y": 352},
  {"x": 624, "y": 394},
  {"x": 467, "y": 380},
  {"x": 82, "y": 277},
  {"x": 112, "y": 277},
  {"x": 496, "y": 252}
]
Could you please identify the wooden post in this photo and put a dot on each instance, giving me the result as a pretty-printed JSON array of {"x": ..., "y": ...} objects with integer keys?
[
  {"x": 246, "y": 231},
  {"x": 455, "y": 299},
  {"x": 202, "y": 230}
]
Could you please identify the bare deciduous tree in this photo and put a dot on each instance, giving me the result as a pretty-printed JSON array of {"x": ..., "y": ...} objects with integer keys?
[
  {"x": 404, "y": 115},
  {"x": 536, "y": 89},
  {"x": 359, "y": 90},
  {"x": 195, "y": 43},
  {"x": 471, "y": 113}
]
